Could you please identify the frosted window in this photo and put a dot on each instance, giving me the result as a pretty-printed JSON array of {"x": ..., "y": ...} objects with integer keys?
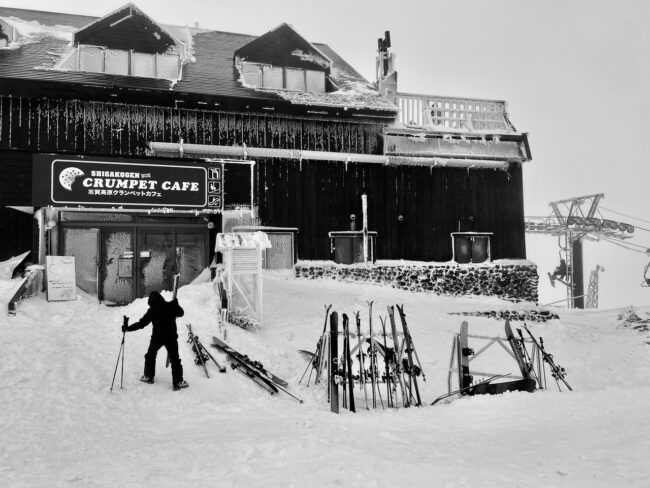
[
  {"x": 190, "y": 254},
  {"x": 91, "y": 59},
  {"x": 156, "y": 271},
  {"x": 252, "y": 74},
  {"x": 295, "y": 79},
  {"x": 117, "y": 62},
  {"x": 83, "y": 244},
  {"x": 272, "y": 77},
  {"x": 143, "y": 65},
  {"x": 315, "y": 81},
  {"x": 167, "y": 67},
  {"x": 116, "y": 245}
]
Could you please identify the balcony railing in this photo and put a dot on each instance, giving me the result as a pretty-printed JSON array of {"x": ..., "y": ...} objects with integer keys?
[{"x": 452, "y": 114}]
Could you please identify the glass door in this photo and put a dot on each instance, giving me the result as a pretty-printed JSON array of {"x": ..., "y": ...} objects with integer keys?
[
  {"x": 83, "y": 244},
  {"x": 117, "y": 285},
  {"x": 190, "y": 255},
  {"x": 156, "y": 261}
]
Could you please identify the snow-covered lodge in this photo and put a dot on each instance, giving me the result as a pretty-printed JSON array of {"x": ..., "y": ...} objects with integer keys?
[{"x": 129, "y": 144}]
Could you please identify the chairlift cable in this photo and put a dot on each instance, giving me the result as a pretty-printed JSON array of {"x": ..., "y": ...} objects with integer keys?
[{"x": 624, "y": 215}]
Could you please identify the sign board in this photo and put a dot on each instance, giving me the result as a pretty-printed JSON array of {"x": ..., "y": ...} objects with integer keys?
[
  {"x": 75, "y": 181},
  {"x": 60, "y": 278}
]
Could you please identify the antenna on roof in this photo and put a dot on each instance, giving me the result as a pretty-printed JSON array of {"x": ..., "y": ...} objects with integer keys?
[{"x": 386, "y": 75}]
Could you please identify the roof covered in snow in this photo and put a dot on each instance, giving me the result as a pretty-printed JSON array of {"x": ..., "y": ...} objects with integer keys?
[{"x": 44, "y": 39}]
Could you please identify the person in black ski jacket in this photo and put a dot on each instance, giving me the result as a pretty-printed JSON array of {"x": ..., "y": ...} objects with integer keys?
[{"x": 162, "y": 315}]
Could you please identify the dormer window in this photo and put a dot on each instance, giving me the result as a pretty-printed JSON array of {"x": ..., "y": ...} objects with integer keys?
[
  {"x": 282, "y": 78},
  {"x": 126, "y": 42},
  {"x": 127, "y": 63},
  {"x": 283, "y": 60}
]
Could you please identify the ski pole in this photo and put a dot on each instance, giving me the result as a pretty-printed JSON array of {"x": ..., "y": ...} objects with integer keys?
[
  {"x": 314, "y": 363},
  {"x": 529, "y": 359},
  {"x": 120, "y": 355},
  {"x": 372, "y": 358},
  {"x": 362, "y": 368},
  {"x": 389, "y": 398},
  {"x": 324, "y": 348}
]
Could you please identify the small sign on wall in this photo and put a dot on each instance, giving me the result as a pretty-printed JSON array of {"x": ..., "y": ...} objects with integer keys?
[{"x": 60, "y": 278}]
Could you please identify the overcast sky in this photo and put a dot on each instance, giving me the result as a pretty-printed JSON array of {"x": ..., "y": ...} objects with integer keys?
[{"x": 575, "y": 75}]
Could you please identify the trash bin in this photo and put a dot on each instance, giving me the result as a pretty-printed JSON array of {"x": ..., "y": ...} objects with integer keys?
[
  {"x": 471, "y": 247},
  {"x": 347, "y": 246}
]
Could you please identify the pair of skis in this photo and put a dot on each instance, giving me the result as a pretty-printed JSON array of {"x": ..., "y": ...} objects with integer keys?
[
  {"x": 557, "y": 371},
  {"x": 253, "y": 370},
  {"x": 526, "y": 363},
  {"x": 201, "y": 353}
]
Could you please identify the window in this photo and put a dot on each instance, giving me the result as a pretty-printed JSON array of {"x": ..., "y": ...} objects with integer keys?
[
  {"x": 295, "y": 79},
  {"x": 120, "y": 62},
  {"x": 116, "y": 62},
  {"x": 279, "y": 78},
  {"x": 272, "y": 77}
]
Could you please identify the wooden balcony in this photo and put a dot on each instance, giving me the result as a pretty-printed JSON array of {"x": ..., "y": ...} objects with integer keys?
[{"x": 451, "y": 114}]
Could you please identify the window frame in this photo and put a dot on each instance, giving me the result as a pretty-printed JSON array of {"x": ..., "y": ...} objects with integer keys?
[{"x": 285, "y": 69}]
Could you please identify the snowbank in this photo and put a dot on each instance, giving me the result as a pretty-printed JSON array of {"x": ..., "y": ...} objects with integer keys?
[{"x": 61, "y": 426}]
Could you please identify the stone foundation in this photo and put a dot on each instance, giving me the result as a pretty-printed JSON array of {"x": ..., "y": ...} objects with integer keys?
[
  {"x": 514, "y": 280},
  {"x": 514, "y": 315}
]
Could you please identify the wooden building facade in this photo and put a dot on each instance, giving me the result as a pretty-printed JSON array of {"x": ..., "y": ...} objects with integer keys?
[{"x": 317, "y": 150}]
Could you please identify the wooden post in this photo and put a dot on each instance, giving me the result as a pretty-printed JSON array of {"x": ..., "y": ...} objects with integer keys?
[{"x": 364, "y": 206}]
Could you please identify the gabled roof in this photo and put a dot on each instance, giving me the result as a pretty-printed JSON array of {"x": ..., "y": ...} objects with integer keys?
[
  {"x": 283, "y": 46},
  {"x": 126, "y": 28},
  {"x": 211, "y": 74}
]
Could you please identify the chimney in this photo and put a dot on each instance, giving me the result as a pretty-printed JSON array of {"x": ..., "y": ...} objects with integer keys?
[{"x": 386, "y": 74}]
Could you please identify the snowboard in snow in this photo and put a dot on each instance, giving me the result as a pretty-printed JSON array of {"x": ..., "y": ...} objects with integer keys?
[{"x": 334, "y": 362}]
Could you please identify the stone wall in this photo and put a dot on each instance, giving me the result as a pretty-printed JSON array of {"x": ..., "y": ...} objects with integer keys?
[{"x": 514, "y": 280}]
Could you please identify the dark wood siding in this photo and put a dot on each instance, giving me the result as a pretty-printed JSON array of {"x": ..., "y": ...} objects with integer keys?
[
  {"x": 316, "y": 197},
  {"x": 88, "y": 127},
  {"x": 16, "y": 228},
  {"x": 16, "y": 178}
]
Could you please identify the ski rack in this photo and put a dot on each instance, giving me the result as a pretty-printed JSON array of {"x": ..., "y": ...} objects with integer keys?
[
  {"x": 501, "y": 341},
  {"x": 365, "y": 359}
]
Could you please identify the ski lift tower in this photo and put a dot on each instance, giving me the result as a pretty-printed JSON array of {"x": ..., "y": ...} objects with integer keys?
[{"x": 573, "y": 220}]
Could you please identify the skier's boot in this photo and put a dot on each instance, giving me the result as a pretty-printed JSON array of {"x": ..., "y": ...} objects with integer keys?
[
  {"x": 146, "y": 379},
  {"x": 180, "y": 384}
]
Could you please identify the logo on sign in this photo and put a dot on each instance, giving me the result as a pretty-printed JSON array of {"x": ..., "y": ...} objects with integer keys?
[{"x": 68, "y": 176}]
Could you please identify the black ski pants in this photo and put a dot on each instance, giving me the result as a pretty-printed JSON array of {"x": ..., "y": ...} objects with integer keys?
[{"x": 172, "y": 349}]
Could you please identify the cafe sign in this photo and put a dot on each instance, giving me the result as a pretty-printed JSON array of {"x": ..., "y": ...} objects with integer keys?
[{"x": 75, "y": 181}]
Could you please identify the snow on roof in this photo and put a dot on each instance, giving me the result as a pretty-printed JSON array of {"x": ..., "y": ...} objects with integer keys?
[
  {"x": 32, "y": 31},
  {"x": 342, "y": 98}
]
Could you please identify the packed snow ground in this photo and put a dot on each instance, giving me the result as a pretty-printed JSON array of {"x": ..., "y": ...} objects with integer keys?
[{"x": 60, "y": 426}]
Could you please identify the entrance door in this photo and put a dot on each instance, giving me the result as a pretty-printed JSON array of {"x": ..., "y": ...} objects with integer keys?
[
  {"x": 190, "y": 255},
  {"x": 117, "y": 285},
  {"x": 156, "y": 261},
  {"x": 83, "y": 244}
]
